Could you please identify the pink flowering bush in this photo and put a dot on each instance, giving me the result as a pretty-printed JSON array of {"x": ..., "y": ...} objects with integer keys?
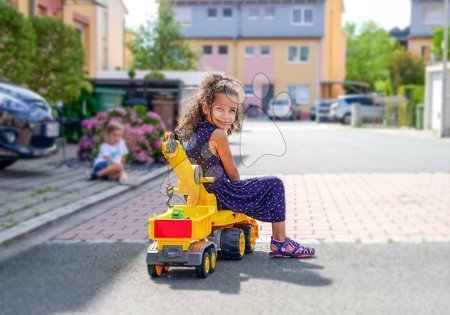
[{"x": 143, "y": 134}]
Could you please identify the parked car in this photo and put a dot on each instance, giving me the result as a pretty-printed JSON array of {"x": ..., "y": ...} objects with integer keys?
[
  {"x": 27, "y": 126},
  {"x": 341, "y": 110},
  {"x": 324, "y": 109},
  {"x": 283, "y": 108}
]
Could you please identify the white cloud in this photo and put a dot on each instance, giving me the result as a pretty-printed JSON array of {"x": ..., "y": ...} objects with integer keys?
[
  {"x": 139, "y": 12},
  {"x": 386, "y": 13}
]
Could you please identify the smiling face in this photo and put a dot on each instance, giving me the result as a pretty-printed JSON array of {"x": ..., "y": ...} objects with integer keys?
[{"x": 224, "y": 110}]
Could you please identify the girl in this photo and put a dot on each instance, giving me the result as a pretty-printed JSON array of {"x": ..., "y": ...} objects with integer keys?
[
  {"x": 110, "y": 163},
  {"x": 207, "y": 120}
]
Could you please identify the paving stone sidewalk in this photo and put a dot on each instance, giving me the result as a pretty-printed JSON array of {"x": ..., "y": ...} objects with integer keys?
[
  {"x": 37, "y": 187},
  {"x": 368, "y": 208}
]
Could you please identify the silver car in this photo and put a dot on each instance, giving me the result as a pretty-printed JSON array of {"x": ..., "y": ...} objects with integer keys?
[
  {"x": 282, "y": 108},
  {"x": 370, "y": 109}
]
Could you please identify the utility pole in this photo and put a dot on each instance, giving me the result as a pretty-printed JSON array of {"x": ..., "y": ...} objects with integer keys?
[{"x": 444, "y": 74}]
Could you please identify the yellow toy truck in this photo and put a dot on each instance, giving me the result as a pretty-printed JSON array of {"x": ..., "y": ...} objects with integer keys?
[{"x": 193, "y": 234}]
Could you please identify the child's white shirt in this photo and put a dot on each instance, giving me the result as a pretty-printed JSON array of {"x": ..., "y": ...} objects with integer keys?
[{"x": 115, "y": 152}]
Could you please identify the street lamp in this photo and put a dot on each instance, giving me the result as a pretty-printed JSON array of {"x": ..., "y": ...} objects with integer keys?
[{"x": 444, "y": 75}]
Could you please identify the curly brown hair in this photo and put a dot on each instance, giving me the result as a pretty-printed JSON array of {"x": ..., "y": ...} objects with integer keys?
[{"x": 192, "y": 113}]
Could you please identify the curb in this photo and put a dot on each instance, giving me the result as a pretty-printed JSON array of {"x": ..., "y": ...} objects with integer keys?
[{"x": 33, "y": 224}]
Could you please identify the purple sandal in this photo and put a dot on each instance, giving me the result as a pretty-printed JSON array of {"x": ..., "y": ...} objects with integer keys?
[{"x": 278, "y": 249}]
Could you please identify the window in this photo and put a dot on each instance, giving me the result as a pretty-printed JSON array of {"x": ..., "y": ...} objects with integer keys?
[
  {"x": 265, "y": 50},
  {"x": 308, "y": 16},
  {"x": 302, "y": 16},
  {"x": 223, "y": 50},
  {"x": 227, "y": 12},
  {"x": 249, "y": 51},
  {"x": 212, "y": 12},
  {"x": 296, "y": 16},
  {"x": 269, "y": 12},
  {"x": 425, "y": 53},
  {"x": 304, "y": 53},
  {"x": 183, "y": 16},
  {"x": 254, "y": 12},
  {"x": 298, "y": 54},
  {"x": 80, "y": 29},
  {"x": 433, "y": 14},
  {"x": 207, "y": 50},
  {"x": 299, "y": 93},
  {"x": 293, "y": 54}
]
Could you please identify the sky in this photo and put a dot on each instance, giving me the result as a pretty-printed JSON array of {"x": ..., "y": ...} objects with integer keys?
[{"x": 386, "y": 13}]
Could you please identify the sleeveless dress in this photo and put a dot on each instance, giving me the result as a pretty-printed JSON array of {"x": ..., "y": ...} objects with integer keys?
[{"x": 262, "y": 198}]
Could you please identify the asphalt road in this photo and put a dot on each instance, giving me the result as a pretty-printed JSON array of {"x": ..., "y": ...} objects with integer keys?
[
  {"x": 286, "y": 147},
  {"x": 343, "y": 279}
]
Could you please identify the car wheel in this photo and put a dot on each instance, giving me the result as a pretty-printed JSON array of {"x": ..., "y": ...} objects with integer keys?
[
  {"x": 346, "y": 120},
  {"x": 312, "y": 117},
  {"x": 4, "y": 164}
]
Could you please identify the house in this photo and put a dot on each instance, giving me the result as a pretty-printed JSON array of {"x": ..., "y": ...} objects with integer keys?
[
  {"x": 101, "y": 25},
  {"x": 401, "y": 36},
  {"x": 272, "y": 46},
  {"x": 425, "y": 15}
]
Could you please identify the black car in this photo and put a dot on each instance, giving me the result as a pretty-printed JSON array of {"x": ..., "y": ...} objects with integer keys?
[
  {"x": 324, "y": 109},
  {"x": 27, "y": 126}
]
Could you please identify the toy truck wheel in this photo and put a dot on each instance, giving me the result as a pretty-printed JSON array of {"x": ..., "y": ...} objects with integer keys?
[
  {"x": 204, "y": 269},
  {"x": 250, "y": 238},
  {"x": 213, "y": 259},
  {"x": 155, "y": 271},
  {"x": 232, "y": 244}
]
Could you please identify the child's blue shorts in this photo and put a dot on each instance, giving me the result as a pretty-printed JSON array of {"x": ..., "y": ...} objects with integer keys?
[{"x": 100, "y": 166}]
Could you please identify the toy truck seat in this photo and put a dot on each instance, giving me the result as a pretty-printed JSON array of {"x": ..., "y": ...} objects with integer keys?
[{"x": 193, "y": 234}]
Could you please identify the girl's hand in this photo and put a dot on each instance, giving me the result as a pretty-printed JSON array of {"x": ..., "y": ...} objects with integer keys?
[{"x": 221, "y": 146}]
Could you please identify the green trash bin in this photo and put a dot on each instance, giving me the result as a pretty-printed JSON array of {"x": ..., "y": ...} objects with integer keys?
[
  {"x": 419, "y": 116},
  {"x": 108, "y": 98}
]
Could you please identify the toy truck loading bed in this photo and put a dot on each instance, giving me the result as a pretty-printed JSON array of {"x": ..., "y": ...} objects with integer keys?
[{"x": 195, "y": 234}]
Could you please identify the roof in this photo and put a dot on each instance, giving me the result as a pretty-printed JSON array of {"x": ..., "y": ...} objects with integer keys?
[{"x": 400, "y": 34}]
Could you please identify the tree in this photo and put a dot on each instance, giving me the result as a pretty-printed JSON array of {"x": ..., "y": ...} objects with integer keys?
[
  {"x": 368, "y": 53},
  {"x": 17, "y": 42},
  {"x": 405, "y": 69},
  {"x": 438, "y": 38},
  {"x": 160, "y": 45},
  {"x": 58, "y": 71}
]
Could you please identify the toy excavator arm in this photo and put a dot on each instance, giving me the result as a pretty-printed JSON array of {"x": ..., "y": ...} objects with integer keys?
[{"x": 190, "y": 177}]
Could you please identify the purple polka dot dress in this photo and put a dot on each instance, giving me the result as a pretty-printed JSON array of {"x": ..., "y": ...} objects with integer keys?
[{"x": 262, "y": 198}]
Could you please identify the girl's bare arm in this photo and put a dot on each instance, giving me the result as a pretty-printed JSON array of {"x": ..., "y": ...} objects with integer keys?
[{"x": 222, "y": 148}]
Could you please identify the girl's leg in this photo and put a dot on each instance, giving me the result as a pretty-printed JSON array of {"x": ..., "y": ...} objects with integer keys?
[
  {"x": 114, "y": 170},
  {"x": 279, "y": 231}
]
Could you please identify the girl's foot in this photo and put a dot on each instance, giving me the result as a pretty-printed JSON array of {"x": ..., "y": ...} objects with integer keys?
[
  {"x": 129, "y": 180},
  {"x": 91, "y": 175},
  {"x": 290, "y": 248}
]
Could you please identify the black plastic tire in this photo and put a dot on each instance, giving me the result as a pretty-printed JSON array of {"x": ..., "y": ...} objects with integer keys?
[
  {"x": 154, "y": 271},
  {"x": 249, "y": 248},
  {"x": 213, "y": 259},
  {"x": 230, "y": 247},
  {"x": 204, "y": 269},
  {"x": 347, "y": 119}
]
